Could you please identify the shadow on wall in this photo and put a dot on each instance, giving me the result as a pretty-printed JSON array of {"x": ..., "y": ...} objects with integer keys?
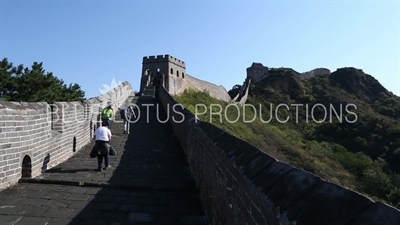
[
  {"x": 46, "y": 162},
  {"x": 98, "y": 121},
  {"x": 74, "y": 144}
]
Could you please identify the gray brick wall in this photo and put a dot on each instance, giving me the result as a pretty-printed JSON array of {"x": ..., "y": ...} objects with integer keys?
[
  {"x": 216, "y": 91},
  {"x": 178, "y": 85},
  {"x": 48, "y": 134},
  {"x": 239, "y": 184}
]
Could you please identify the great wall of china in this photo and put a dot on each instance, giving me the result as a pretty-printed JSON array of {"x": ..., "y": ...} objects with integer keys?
[{"x": 238, "y": 183}]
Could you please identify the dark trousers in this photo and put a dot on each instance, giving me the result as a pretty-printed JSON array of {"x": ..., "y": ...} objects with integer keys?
[
  {"x": 100, "y": 158},
  {"x": 103, "y": 149}
]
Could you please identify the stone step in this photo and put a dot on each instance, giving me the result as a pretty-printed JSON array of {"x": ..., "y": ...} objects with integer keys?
[{"x": 149, "y": 91}]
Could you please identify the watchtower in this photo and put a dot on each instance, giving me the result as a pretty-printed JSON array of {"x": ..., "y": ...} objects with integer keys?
[
  {"x": 257, "y": 71},
  {"x": 172, "y": 70}
]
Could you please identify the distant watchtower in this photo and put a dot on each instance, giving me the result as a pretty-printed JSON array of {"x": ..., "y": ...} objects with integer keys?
[
  {"x": 172, "y": 70},
  {"x": 257, "y": 71}
]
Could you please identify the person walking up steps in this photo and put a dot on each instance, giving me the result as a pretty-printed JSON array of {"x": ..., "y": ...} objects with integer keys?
[
  {"x": 102, "y": 136},
  {"x": 106, "y": 115},
  {"x": 127, "y": 114}
]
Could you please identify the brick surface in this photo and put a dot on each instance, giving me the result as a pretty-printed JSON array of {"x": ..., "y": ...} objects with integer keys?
[{"x": 149, "y": 183}]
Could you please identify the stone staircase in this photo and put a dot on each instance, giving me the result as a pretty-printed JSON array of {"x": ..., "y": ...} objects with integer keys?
[
  {"x": 149, "y": 91},
  {"x": 149, "y": 182}
]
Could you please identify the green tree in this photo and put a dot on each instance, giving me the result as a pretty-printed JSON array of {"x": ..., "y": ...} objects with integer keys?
[
  {"x": 34, "y": 85},
  {"x": 234, "y": 91}
]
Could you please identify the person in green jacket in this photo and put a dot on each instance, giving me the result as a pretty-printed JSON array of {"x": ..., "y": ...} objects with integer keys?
[{"x": 106, "y": 115}]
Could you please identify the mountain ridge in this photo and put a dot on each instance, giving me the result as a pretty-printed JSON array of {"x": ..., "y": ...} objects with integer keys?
[{"x": 372, "y": 135}]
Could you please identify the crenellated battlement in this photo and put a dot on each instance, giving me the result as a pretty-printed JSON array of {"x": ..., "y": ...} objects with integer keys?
[{"x": 163, "y": 58}]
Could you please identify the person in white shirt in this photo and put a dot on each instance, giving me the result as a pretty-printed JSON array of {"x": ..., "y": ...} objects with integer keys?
[{"x": 102, "y": 135}]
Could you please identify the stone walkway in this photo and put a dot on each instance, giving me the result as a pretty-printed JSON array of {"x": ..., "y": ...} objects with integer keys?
[{"x": 149, "y": 183}]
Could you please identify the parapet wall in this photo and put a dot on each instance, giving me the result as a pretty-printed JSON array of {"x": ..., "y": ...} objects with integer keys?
[
  {"x": 218, "y": 92},
  {"x": 48, "y": 134},
  {"x": 239, "y": 184}
]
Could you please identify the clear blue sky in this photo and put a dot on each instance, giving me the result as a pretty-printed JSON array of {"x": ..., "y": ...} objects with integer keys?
[{"x": 92, "y": 42}]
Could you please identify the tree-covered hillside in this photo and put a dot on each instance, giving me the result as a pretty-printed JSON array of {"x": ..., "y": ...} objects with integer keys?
[{"x": 342, "y": 126}]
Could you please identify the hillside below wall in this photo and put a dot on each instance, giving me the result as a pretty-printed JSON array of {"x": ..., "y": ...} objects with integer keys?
[
  {"x": 218, "y": 92},
  {"x": 48, "y": 134},
  {"x": 239, "y": 184}
]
